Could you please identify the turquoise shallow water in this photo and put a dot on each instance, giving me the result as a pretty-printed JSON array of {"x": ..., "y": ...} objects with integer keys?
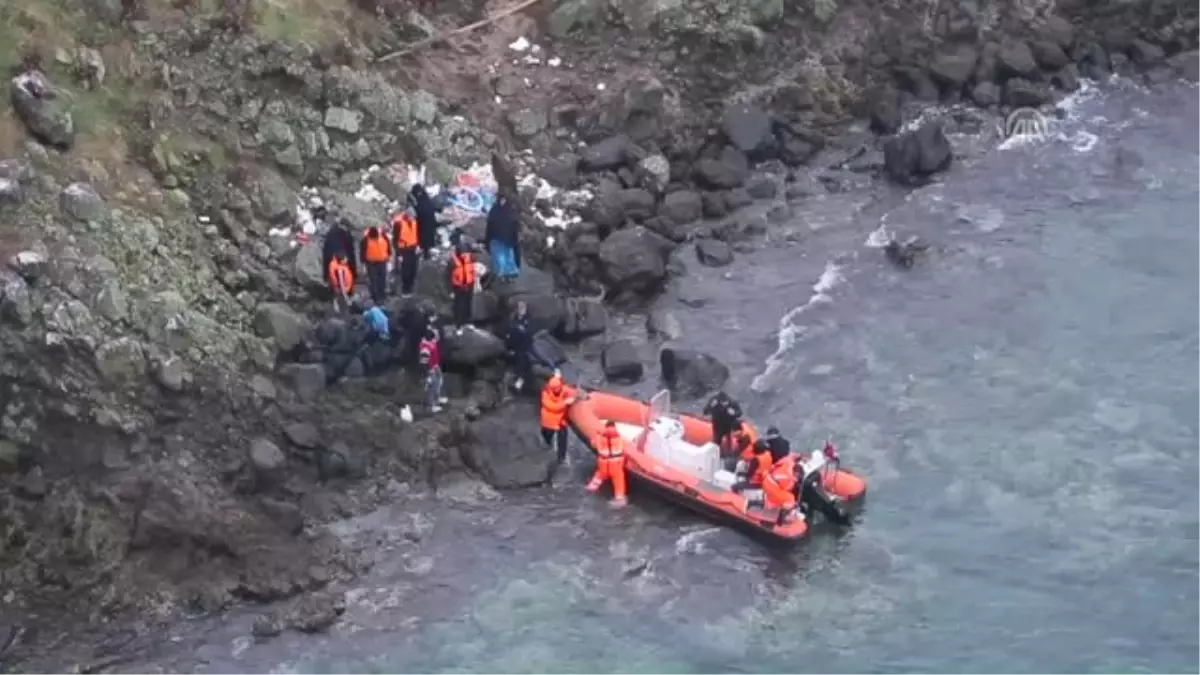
[{"x": 1024, "y": 406}]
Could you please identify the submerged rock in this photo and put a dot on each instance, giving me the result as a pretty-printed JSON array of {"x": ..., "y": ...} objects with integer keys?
[{"x": 911, "y": 158}]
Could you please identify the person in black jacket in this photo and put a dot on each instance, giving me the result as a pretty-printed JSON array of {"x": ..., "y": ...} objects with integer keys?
[
  {"x": 427, "y": 224},
  {"x": 503, "y": 237},
  {"x": 339, "y": 240},
  {"x": 780, "y": 447},
  {"x": 725, "y": 414},
  {"x": 519, "y": 339}
]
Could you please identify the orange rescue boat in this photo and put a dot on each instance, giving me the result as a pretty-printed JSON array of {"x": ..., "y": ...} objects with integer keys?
[{"x": 677, "y": 455}]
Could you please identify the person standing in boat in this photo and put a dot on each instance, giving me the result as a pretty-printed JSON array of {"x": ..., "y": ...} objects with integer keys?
[
  {"x": 726, "y": 416},
  {"x": 610, "y": 462},
  {"x": 556, "y": 398}
]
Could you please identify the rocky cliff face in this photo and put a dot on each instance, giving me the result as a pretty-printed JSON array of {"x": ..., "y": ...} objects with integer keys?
[{"x": 166, "y": 429}]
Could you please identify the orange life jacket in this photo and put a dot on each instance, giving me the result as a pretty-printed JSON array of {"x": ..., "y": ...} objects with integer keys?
[
  {"x": 378, "y": 248},
  {"x": 404, "y": 227},
  {"x": 554, "y": 403},
  {"x": 462, "y": 274},
  {"x": 609, "y": 447},
  {"x": 783, "y": 473},
  {"x": 762, "y": 469},
  {"x": 341, "y": 279}
]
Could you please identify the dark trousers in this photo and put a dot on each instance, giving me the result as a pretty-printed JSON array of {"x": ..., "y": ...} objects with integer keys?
[
  {"x": 462, "y": 305},
  {"x": 407, "y": 262},
  {"x": 549, "y": 437},
  {"x": 377, "y": 281}
]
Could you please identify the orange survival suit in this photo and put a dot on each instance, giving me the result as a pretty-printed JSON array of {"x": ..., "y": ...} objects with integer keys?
[
  {"x": 610, "y": 462},
  {"x": 556, "y": 398}
]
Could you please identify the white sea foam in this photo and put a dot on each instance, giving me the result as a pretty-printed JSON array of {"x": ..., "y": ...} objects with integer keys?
[{"x": 789, "y": 332}]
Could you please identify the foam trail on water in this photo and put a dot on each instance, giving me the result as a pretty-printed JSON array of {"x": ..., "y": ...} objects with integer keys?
[{"x": 789, "y": 332}]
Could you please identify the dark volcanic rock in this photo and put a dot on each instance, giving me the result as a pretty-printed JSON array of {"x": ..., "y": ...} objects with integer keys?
[
  {"x": 682, "y": 207},
  {"x": 912, "y": 157},
  {"x": 611, "y": 153},
  {"x": 42, "y": 110},
  {"x": 471, "y": 347},
  {"x": 1015, "y": 60},
  {"x": 636, "y": 204},
  {"x": 1021, "y": 93},
  {"x": 730, "y": 170},
  {"x": 582, "y": 318},
  {"x": 691, "y": 374},
  {"x": 953, "y": 67},
  {"x": 635, "y": 260},
  {"x": 883, "y": 105},
  {"x": 1049, "y": 55},
  {"x": 621, "y": 363},
  {"x": 713, "y": 253},
  {"x": 506, "y": 450},
  {"x": 749, "y": 129}
]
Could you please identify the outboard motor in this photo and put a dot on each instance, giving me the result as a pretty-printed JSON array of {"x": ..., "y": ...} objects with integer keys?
[{"x": 813, "y": 497}]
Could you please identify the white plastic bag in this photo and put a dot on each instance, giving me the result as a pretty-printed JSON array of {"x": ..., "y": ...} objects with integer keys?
[{"x": 406, "y": 414}]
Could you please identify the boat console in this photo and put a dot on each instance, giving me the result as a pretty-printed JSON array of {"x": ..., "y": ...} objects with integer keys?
[{"x": 665, "y": 443}]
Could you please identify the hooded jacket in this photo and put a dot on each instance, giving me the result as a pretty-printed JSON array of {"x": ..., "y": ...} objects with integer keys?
[{"x": 426, "y": 210}]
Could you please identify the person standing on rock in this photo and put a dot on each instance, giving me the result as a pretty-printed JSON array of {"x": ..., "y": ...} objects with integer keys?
[
  {"x": 407, "y": 241},
  {"x": 341, "y": 283},
  {"x": 430, "y": 355},
  {"x": 427, "y": 224},
  {"x": 503, "y": 236},
  {"x": 556, "y": 398},
  {"x": 339, "y": 240},
  {"x": 462, "y": 282},
  {"x": 376, "y": 254},
  {"x": 519, "y": 340}
]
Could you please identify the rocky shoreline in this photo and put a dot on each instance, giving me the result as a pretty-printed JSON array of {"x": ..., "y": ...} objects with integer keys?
[{"x": 168, "y": 443}]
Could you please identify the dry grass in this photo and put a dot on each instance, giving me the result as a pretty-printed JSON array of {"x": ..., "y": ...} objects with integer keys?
[{"x": 313, "y": 22}]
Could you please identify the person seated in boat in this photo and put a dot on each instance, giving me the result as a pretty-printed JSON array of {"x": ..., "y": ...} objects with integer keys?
[
  {"x": 726, "y": 416},
  {"x": 779, "y": 488},
  {"x": 751, "y": 471},
  {"x": 610, "y": 462},
  {"x": 780, "y": 447}
]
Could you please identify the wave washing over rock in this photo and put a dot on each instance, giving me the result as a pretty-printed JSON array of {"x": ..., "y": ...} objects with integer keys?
[{"x": 186, "y": 432}]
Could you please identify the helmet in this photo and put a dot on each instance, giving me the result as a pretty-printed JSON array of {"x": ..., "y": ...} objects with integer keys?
[{"x": 772, "y": 432}]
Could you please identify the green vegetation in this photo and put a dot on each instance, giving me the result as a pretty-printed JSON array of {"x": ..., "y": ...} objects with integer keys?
[{"x": 309, "y": 22}]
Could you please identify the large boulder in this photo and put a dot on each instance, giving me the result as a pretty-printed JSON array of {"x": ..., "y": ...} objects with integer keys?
[
  {"x": 1022, "y": 93},
  {"x": 277, "y": 321},
  {"x": 548, "y": 350},
  {"x": 536, "y": 289},
  {"x": 42, "y": 110},
  {"x": 611, "y": 153},
  {"x": 471, "y": 347},
  {"x": 307, "y": 266},
  {"x": 506, "y": 450},
  {"x": 266, "y": 461},
  {"x": 634, "y": 260},
  {"x": 713, "y": 253},
  {"x": 81, "y": 202},
  {"x": 682, "y": 207},
  {"x": 621, "y": 363},
  {"x": 750, "y": 130},
  {"x": 636, "y": 204},
  {"x": 690, "y": 374},
  {"x": 1015, "y": 59},
  {"x": 583, "y": 317},
  {"x": 953, "y": 67},
  {"x": 727, "y": 171},
  {"x": 306, "y": 379},
  {"x": 911, "y": 158}
]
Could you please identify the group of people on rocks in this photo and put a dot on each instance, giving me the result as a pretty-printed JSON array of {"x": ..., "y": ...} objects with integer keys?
[{"x": 410, "y": 237}]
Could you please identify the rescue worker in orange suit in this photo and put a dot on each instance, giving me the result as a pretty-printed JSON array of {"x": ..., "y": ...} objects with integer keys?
[
  {"x": 405, "y": 238},
  {"x": 556, "y": 398},
  {"x": 462, "y": 282},
  {"x": 610, "y": 462},
  {"x": 341, "y": 282},
  {"x": 376, "y": 253},
  {"x": 779, "y": 488},
  {"x": 753, "y": 469}
]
